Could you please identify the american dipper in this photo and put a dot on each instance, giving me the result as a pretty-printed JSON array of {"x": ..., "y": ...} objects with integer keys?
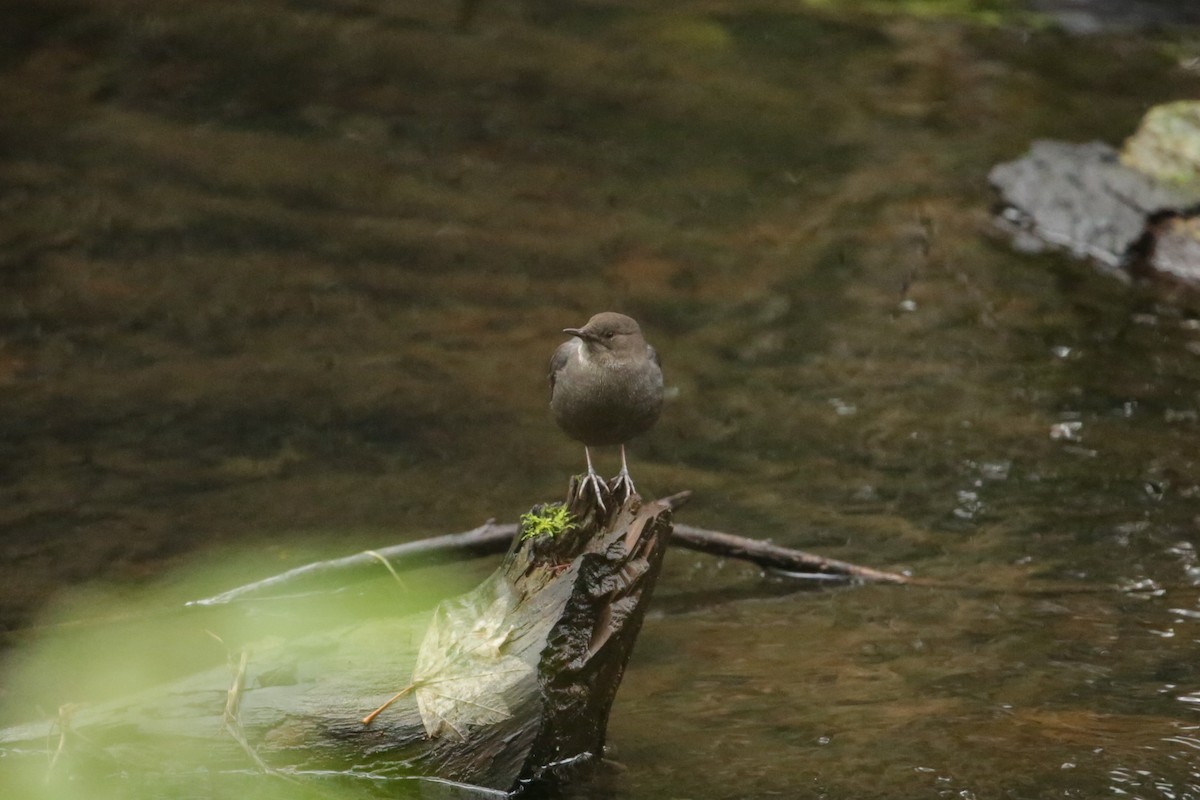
[{"x": 606, "y": 386}]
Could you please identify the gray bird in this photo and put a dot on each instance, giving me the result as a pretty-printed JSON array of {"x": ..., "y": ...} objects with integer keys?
[{"x": 606, "y": 386}]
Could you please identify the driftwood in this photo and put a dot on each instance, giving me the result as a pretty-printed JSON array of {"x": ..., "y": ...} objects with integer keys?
[
  {"x": 511, "y": 682},
  {"x": 493, "y": 539},
  {"x": 508, "y": 684},
  {"x": 782, "y": 560}
]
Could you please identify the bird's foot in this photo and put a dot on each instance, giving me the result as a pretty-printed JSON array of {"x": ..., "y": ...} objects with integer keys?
[
  {"x": 598, "y": 486},
  {"x": 622, "y": 487}
]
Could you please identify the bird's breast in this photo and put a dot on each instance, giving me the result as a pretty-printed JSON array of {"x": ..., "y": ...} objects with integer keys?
[{"x": 606, "y": 401}]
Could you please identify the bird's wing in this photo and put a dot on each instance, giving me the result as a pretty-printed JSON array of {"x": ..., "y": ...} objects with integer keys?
[{"x": 558, "y": 361}]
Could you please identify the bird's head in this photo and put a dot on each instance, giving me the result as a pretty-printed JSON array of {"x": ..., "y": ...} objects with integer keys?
[{"x": 610, "y": 331}]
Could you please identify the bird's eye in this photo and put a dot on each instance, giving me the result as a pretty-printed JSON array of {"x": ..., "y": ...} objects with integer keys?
[{"x": 608, "y": 335}]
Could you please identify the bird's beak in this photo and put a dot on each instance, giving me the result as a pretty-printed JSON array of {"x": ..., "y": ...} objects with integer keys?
[{"x": 576, "y": 332}]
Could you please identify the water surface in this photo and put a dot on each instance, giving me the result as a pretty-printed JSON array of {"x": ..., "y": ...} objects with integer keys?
[{"x": 284, "y": 278}]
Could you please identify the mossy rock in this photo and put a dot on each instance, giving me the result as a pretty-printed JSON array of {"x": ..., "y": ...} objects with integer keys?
[{"x": 1166, "y": 145}]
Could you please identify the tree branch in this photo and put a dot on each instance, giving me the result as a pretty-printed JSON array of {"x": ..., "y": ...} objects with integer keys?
[{"x": 492, "y": 539}]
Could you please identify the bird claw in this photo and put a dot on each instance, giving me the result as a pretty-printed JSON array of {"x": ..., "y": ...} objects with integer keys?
[
  {"x": 599, "y": 488},
  {"x": 622, "y": 486}
]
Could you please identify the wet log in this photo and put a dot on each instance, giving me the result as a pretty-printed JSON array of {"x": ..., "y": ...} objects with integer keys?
[{"x": 509, "y": 684}]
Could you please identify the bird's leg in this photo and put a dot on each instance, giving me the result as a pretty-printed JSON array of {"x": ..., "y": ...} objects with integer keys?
[
  {"x": 594, "y": 480},
  {"x": 623, "y": 484}
]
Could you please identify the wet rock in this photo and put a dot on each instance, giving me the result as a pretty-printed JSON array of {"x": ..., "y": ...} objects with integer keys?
[
  {"x": 1083, "y": 17},
  {"x": 1169, "y": 249},
  {"x": 1136, "y": 213},
  {"x": 1081, "y": 198}
]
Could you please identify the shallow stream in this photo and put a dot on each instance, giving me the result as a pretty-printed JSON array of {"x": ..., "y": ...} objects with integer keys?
[{"x": 282, "y": 278}]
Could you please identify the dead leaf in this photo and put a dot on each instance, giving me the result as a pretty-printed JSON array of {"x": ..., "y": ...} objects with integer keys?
[{"x": 462, "y": 673}]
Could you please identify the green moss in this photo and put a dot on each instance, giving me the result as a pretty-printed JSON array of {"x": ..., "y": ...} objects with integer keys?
[
  {"x": 547, "y": 520},
  {"x": 1167, "y": 144}
]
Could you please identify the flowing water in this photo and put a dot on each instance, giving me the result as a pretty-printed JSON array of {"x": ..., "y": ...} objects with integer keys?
[{"x": 282, "y": 278}]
